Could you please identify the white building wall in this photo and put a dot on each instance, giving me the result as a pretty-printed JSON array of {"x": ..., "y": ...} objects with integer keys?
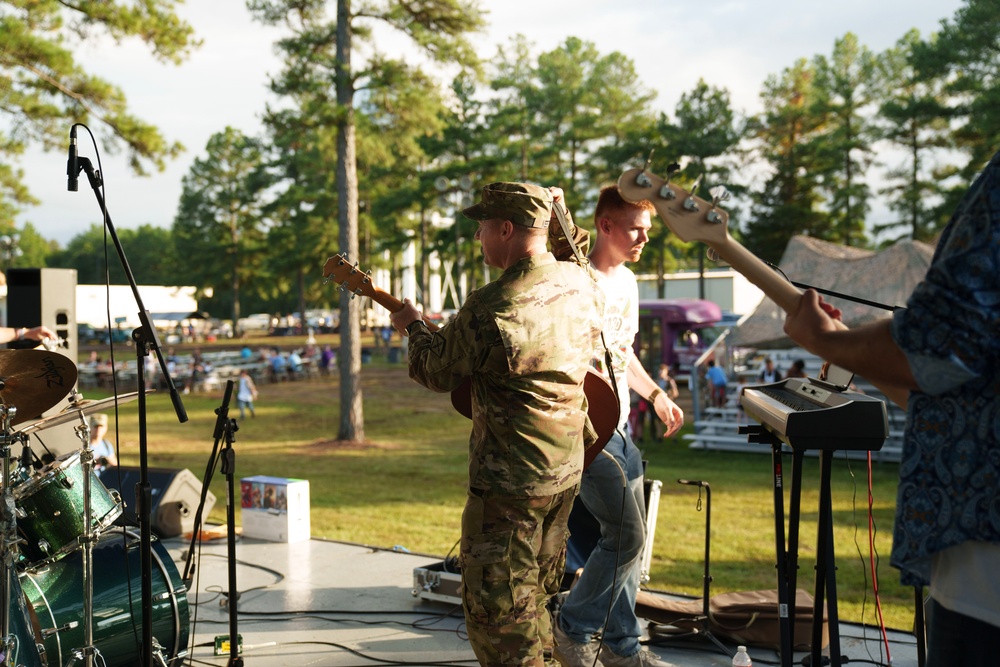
[
  {"x": 729, "y": 289},
  {"x": 94, "y": 301}
]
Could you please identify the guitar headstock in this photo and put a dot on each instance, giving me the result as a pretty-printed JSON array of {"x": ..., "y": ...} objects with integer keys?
[
  {"x": 690, "y": 217},
  {"x": 348, "y": 276}
]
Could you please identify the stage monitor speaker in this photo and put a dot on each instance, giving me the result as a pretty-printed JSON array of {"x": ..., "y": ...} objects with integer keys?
[{"x": 174, "y": 496}]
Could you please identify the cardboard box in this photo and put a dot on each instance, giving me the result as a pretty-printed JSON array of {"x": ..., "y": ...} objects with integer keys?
[{"x": 275, "y": 508}]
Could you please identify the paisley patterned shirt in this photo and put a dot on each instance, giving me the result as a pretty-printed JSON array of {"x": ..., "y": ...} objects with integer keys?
[{"x": 950, "y": 333}]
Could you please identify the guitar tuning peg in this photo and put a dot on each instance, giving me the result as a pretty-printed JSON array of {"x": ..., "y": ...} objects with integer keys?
[
  {"x": 690, "y": 203},
  {"x": 648, "y": 158},
  {"x": 642, "y": 180},
  {"x": 696, "y": 185},
  {"x": 719, "y": 194},
  {"x": 666, "y": 192}
]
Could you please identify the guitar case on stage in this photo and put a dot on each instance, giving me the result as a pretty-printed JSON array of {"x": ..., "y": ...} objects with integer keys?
[{"x": 749, "y": 618}]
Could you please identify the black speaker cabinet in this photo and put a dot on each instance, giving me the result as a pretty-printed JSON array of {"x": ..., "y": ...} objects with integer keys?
[{"x": 174, "y": 496}]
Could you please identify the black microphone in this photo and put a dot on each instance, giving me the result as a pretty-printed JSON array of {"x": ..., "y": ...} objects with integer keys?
[
  {"x": 26, "y": 457},
  {"x": 72, "y": 168}
]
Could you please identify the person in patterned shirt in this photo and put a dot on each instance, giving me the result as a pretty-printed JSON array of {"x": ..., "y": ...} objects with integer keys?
[
  {"x": 525, "y": 340},
  {"x": 940, "y": 357}
]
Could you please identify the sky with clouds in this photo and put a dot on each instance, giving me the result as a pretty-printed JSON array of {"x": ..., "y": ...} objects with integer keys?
[{"x": 734, "y": 44}]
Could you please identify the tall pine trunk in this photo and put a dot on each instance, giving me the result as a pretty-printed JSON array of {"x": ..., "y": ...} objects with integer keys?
[{"x": 352, "y": 423}]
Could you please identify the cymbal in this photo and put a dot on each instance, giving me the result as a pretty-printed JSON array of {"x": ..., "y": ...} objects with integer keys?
[
  {"x": 34, "y": 380},
  {"x": 73, "y": 411}
]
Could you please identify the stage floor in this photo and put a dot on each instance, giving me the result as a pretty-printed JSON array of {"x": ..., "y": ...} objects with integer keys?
[{"x": 324, "y": 603}]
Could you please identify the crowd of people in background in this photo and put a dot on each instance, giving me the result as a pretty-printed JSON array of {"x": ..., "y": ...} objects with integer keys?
[{"x": 716, "y": 384}]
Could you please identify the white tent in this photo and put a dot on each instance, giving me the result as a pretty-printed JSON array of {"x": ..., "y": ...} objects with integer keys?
[{"x": 886, "y": 277}]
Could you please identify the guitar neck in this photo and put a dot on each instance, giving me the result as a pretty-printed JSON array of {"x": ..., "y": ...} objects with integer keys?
[
  {"x": 693, "y": 219},
  {"x": 772, "y": 283},
  {"x": 787, "y": 296},
  {"x": 392, "y": 304},
  {"x": 384, "y": 299},
  {"x": 358, "y": 283}
]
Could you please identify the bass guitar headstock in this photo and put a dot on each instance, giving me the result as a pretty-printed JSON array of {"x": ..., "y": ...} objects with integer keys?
[{"x": 688, "y": 216}]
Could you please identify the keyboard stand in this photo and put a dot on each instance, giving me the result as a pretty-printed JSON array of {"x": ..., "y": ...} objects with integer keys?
[
  {"x": 787, "y": 553},
  {"x": 826, "y": 570}
]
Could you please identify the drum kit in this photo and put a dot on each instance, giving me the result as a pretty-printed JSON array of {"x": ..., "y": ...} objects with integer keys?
[{"x": 70, "y": 577}]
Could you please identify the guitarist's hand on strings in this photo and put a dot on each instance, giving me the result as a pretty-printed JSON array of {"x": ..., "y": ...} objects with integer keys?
[
  {"x": 811, "y": 319},
  {"x": 404, "y": 317}
]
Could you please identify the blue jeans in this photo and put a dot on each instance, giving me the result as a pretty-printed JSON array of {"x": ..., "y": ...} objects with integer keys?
[
  {"x": 602, "y": 492},
  {"x": 244, "y": 406}
]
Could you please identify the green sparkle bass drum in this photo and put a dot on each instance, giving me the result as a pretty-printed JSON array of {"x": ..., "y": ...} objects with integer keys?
[{"x": 54, "y": 592}]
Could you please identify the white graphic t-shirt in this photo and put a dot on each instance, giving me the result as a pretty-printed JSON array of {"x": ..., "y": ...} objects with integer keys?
[{"x": 621, "y": 323}]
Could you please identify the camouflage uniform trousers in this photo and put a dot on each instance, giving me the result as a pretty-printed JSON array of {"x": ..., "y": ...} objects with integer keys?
[{"x": 513, "y": 557}]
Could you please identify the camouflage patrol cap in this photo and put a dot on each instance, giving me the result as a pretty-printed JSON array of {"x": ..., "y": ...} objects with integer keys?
[{"x": 521, "y": 203}]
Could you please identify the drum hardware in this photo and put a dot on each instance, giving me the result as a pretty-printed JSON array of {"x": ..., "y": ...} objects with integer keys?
[
  {"x": 78, "y": 407},
  {"x": 11, "y": 595},
  {"x": 158, "y": 654},
  {"x": 87, "y": 542},
  {"x": 49, "y": 632},
  {"x": 9, "y": 519},
  {"x": 27, "y": 464}
]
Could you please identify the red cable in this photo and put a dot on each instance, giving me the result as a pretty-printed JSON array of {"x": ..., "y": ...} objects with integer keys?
[{"x": 871, "y": 559}]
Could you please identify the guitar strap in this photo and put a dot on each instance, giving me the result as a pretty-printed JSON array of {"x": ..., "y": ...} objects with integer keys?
[
  {"x": 560, "y": 212},
  {"x": 561, "y": 216}
]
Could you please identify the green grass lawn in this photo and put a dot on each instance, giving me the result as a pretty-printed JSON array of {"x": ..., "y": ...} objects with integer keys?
[{"x": 405, "y": 486}]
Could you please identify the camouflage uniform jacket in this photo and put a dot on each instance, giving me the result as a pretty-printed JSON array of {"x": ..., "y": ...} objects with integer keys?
[{"x": 526, "y": 340}]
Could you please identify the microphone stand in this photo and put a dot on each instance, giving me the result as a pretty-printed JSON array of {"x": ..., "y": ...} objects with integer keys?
[
  {"x": 222, "y": 416},
  {"x": 225, "y": 429},
  {"x": 146, "y": 340},
  {"x": 706, "y": 630},
  {"x": 229, "y": 470}
]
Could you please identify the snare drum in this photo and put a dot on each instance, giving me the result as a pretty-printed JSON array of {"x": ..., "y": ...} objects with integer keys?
[
  {"x": 53, "y": 503},
  {"x": 55, "y": 596}
]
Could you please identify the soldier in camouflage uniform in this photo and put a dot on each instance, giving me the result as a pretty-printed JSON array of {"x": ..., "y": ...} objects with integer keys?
[{"x": 526, "y": 341}]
